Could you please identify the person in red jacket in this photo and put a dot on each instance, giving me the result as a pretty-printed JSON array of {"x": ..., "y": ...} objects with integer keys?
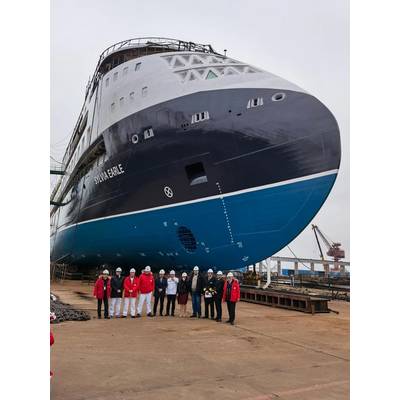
[
  {"x": 131, "y": 286},
  {"x": 146, "y": 288},
  {"x": 231, "y": 295},
  {"x": 52, "y": 318},
  {"x": 102, "y": 292}
]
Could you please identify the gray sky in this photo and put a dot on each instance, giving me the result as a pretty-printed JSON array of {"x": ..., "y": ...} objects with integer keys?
[{"x": 304, "y": 41}]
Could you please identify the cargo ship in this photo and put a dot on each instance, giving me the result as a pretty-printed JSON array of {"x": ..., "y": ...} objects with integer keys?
[{"x": 183, "y": 156}]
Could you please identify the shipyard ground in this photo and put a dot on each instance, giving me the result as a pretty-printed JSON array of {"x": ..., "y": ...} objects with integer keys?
[{"x": 270, "y": 353}]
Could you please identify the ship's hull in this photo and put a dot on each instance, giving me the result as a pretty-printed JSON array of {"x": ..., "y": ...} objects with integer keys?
[{"x": 268, "y": 170}]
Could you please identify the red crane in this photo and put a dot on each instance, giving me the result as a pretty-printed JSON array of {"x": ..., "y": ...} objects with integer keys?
[{"x": 334, "y": 249}]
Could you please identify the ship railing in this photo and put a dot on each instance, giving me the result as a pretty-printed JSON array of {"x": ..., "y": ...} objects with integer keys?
[{"x": 172, "y": 44}]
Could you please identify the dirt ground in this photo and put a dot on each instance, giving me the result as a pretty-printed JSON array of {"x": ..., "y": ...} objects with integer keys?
[{"x": 269, "y": 354}]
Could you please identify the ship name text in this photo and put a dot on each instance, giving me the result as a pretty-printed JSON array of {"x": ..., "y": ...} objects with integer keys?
[{"x": 108, "y": 174}]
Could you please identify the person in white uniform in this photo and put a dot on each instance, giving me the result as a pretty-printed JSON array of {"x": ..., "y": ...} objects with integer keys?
[{"x": 172, "y": 286}]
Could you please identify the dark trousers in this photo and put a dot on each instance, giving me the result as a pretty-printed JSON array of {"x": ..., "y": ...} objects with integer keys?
[
  {"x": 218, "y": 306},
  {"x": 171, "y": 303},
  {"x": 99, "y": 301},
  {"x": 231, "y": 310},
  {"x": 196, "y": 304},
  {"x": 209, "y": 303},
  {"x": 156, "y": 299}
]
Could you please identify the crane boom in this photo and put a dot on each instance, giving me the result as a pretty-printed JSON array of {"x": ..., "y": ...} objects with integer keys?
[
  {"x": 319, "y": 245},
  {"x": 334, "y": 249}
]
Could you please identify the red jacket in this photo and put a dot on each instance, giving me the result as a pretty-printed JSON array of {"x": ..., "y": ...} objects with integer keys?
[
  {"x": 235, "y": 291},
  {"x": 131, "y": 288},
  {"x": 98, "y": 290},
  {"x": 146, "y": 283},
  {"x": 51, "y": 343}
]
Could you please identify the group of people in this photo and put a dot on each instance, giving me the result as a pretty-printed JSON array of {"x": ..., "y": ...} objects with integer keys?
[{"x": 126, "y": 290}]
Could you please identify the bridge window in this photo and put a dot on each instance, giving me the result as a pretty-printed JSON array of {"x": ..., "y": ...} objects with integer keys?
[
  {"x": 125, "y": 71},
  {"x": 144, "y": 91},
  {"x": 112, "y": 107},
  {"x": 201, "y": 116},
  {"x": 107, "y": 82},
  {"x": 121, "y": 101},
  {"x": 196, "y": 174},
  {"x": 137, "y": 66},
  {"x": 211, "y": 75},
  {"x": 115, "y": 76},
  {"x": 132, "y": 95}
]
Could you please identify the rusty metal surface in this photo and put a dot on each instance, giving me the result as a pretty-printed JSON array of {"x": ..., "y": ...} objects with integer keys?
[{"x": 284, "y": 299}]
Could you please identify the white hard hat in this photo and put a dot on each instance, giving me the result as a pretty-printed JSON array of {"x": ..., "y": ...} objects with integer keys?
[
  {"x": 229, "y": 274},
  {"x": 147, "y": 269},
  {"x": 105, "y": 272},
  {"x": 184, "y": 274},
  {"x": 118, "y": 269},
  {"x": 172, "y": 272},
  {"x": 132, "y": 270},
  {"x": 196, "y": 268},
  {"x": 162, "y": 271},
  {"x": 210, "y": 271},
  {"x": 219, "y": 273}
]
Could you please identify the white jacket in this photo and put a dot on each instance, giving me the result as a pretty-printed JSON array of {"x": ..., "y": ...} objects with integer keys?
[{"x": 172, "y": 285}]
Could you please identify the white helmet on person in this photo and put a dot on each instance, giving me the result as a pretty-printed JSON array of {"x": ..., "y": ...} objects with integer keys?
[
  {"x": 196, "y": 268},
  {"x": 132, "y": 270},
  {"x": 147, "y": 269},
  {"x": 118, "y": 269},
  {"x": 219, "y": 273},
  {"x": 210, "y": 271},
  {"x": 105, "y": 272},
  {"x": 184, "y": 274},
  {"x": 162, "y": 272},
  {"x": 230, "y": 275},
  {"x": 172, "y": 272}
]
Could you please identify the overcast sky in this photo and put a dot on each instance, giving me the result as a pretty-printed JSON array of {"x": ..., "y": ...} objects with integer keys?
[{"x": 303, "y": 41}]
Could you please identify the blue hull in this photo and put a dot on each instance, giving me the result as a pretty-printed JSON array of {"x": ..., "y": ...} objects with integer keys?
[{"x": 226, "y": 232}]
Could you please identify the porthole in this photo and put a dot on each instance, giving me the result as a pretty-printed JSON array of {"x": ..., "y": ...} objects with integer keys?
[
  {"x": 135, "y": 138},
  {"x": 278, "y": 97}
]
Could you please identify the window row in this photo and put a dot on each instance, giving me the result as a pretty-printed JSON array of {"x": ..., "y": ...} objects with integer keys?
[
  {"x": 214, "y": 72},
  {"x": 131, "y": 98},
  {"x": 124, "y": 73}
]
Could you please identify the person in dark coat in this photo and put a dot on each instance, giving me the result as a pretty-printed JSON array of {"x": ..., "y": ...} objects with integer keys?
[
  {"x": 117, "y": 286},
  {"x": 183, "y": 294},
  {"x": 219, "y": 291},
  {"x": 209, "y": 292},
  {"x": 102, "y": 292},
  {"x": 159, "y": 292},
  {"x": 196, "y": 286}
]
